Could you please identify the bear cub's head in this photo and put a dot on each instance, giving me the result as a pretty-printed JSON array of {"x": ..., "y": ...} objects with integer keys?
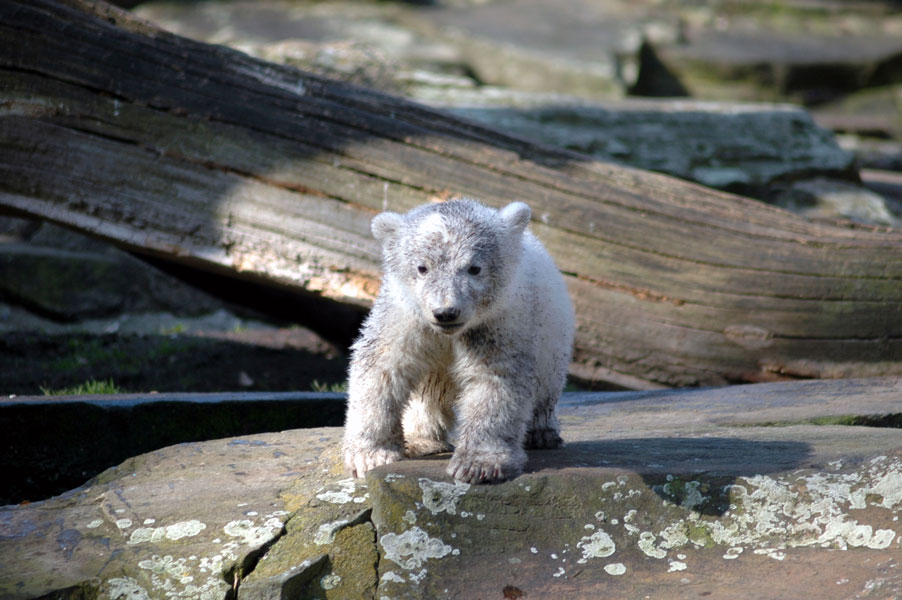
[{"x": 453, "y": 262}]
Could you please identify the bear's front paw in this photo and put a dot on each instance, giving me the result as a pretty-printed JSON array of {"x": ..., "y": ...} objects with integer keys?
[
  {"x": 480, "y": 466},
  {"x": 358, "y": 462}
]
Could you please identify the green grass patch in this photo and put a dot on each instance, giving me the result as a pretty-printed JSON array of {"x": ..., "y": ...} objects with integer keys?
[
  {"x": 340, "y": 387},
  {"x": 177, "y": 329},
  {"x": 892, "y": 421},
  {"x": 92, "y": 386}
]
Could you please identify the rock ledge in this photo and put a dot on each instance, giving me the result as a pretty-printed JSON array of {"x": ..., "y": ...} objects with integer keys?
[{"x": 670, "y": 493}]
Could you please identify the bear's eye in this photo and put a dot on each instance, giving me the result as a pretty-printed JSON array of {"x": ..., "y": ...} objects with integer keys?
[
  {"x": 474, "y": 270},
  {"x": 422, "y": 269}
]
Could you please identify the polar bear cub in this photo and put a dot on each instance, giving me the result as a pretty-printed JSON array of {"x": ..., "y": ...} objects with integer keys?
[{"x": 473, "y": 327}]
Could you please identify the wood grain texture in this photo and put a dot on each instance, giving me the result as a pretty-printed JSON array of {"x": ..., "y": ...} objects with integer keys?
[{"x": 203, "y": 155}]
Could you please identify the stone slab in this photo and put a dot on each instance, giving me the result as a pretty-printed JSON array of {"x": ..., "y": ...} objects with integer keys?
[
  {"x": 67, "y": 277},
  {"x": 795, "y": 65},
  {"x": 886, "y": 183},
  {"x": 741, "y": 147},
  {"x": 676, "y": 494},
  {"x": 185, "y": 521}
]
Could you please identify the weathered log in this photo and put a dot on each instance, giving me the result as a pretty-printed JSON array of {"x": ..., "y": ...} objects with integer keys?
[{"x": 203, "y": 155}]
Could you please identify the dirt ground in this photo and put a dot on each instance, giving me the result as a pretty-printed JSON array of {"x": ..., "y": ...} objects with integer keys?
[{"x": 272, "y": 360}]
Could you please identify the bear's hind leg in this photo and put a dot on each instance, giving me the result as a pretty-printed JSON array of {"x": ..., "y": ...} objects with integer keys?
[
  {"x": 544, "y": 432},
  {"x": 429, "y": 417}
]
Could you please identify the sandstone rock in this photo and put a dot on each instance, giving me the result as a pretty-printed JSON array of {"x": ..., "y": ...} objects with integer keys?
[
  {"x": 822, "y": 198},
  {"x": 741, "y": 147},
  {"x": 635, "y": 513},
  {"x": 869, "y": 126},
  {"x": 572, "y": 535},
  {"x": 354, "y": 62},
  {"x": 760, "y": 64},
  {"x": 886, "y": 183},
  {"x": 521, "y": 47},
  {"x": 62, "y": 284},
  {"x": 799, "y": 51},
  {"x": 871, "y": 153},
  {"x": 872, "y": 112},
  {"x": 184, "y": 522},
  {"x": 678, "y": 493},
  {"x": 335, "y": 38},
  {"x": 66, "y": 276},
  {"x": 575, "y": 47}
]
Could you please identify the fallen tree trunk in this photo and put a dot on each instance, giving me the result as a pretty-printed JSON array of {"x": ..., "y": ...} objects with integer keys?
[{"x": 203, "y": 155}]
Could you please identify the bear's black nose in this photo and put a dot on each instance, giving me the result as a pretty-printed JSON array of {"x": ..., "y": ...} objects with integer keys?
[{"x": 446, "y": 315}]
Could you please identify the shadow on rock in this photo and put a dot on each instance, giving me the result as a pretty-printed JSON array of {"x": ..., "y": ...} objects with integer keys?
[{"x": 694, "y": 473}]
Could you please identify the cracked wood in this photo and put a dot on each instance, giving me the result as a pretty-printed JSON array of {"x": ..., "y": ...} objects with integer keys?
[{"x": 202, "y": 155}]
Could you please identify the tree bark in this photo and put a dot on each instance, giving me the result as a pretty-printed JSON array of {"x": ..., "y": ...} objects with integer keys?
[{"x": 200, "y": 154}]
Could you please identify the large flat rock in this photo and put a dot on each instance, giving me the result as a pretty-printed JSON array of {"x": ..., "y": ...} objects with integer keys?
[
  {"x": 800, "y": 51},
  {"x": 735, "y": 146},
  {"x": 66, "y": 277},
  {"x": 669, "y": 493},
  {"x": 766, "y": 64}
]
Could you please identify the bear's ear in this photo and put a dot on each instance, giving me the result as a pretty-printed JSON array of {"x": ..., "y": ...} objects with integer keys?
[
  {"x": 516, "y": 216},
  {"x": 385, "y": 226}
]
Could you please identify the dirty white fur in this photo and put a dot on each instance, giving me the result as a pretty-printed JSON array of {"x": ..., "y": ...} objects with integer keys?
[{"x": 473, "y": 318}]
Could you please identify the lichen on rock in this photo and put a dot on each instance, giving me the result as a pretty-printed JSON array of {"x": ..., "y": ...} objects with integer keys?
[
  {"x": 439, "y": 496},
  {"x": 412, "y": 548},
  {"x": 597, "y": 545}
]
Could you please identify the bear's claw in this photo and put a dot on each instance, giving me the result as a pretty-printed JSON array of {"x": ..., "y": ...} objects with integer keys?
[
  {"x": 482, "y": 467},
  {"x": 361, "y": 461}
]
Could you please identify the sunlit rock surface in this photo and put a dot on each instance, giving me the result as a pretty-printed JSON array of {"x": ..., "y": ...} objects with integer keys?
[{"x": 676, "y": 493}]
